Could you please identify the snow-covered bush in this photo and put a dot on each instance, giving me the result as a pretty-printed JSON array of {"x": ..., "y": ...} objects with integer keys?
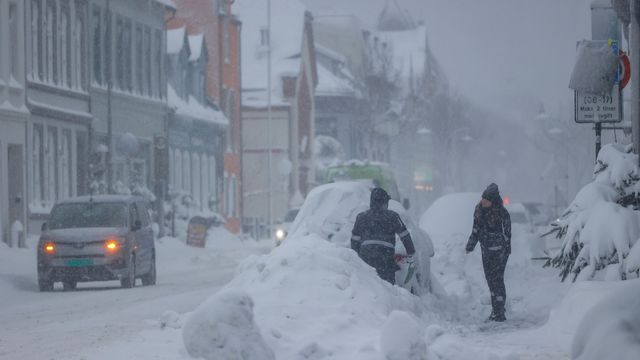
[
  {"x": 223, "y": 328},
  {"x": 598, "y": 231}
]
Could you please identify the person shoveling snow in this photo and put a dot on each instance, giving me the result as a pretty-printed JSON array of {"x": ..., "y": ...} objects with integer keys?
[{"x": 374, "y": 237}]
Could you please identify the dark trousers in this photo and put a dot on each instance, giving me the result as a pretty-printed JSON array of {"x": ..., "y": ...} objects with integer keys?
[
  {"x": 381, "y": 258},
  {"x": 494, "y": 263}
]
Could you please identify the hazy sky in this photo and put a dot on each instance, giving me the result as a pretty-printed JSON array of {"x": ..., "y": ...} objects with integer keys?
[{"x": 506, "y": 54}]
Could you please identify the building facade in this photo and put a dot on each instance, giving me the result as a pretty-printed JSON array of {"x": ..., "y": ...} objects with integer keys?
[
  {"x": 278, "y": 135},
  {"x": 196, "y": 129},
  {"x": 13, "y": 119},
  {"x": 57, "y": 96},
  {"x": 128, "y": 92},
  {"x": 221, "y": 30}
]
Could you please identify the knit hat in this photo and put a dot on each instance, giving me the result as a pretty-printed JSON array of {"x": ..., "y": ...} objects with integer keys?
[{"x": 492, "y": 193}]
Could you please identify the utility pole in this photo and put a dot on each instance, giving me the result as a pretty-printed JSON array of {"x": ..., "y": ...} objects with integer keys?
[
  {"x": 109, "y": 86},
  {"x": 270, "y": 193},
  {"x": 634, "y": 49}
]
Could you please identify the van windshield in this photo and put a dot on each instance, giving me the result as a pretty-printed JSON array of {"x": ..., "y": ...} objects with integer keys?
[{"x": 88, "y": 215}]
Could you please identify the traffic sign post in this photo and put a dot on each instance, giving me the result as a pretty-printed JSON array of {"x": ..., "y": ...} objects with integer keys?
[{"x": 603, "y": 108}]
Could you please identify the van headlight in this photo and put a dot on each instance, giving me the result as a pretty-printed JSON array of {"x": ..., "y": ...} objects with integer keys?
[{"x": 280, "y": 234}]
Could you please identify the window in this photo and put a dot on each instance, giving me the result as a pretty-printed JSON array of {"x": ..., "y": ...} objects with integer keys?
[
  {"x": 51, "y": 23},
  {"x": 66, "y": 189},
  {"x": 80, "y": 46},
  {"x": 186, "y": 172},
  {"x": 195, "y": 178},
  {"x": 127, "y": 56},
  {"x": 36, "y": 39},
  {"x": 13, "y": 41},
  {"x": 204, "y": 181},
  {"x": 213, "y": 181},
  {"x": 38, "y": 163},
  {"x": 147, "y": 60},
  {"x": 51, "y": 165},
  {"x": 65, "y": 44},
  {"x": 264, "y": 36},
  {"x": 96, "y": 29},
  {"x": 177, "y": 185},
  {"x": 139, "y": 59},
  {"x": 119, "y": 53},
  {"x": 226, "y": 49},
  {"x": 158, "y": 59}
]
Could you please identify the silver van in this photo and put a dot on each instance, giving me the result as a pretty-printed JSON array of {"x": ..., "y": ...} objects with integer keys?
[{"x": 96, "y": 238}]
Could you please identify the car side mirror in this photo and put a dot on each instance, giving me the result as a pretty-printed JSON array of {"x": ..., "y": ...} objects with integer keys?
[
  {"x": 44, "y": 227},
  {"x": 406, "y": 204},
  {"x": 137, "y": 225}
]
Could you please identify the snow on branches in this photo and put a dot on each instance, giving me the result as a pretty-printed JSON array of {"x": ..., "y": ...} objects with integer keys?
[{"x": 601, "y": 229}]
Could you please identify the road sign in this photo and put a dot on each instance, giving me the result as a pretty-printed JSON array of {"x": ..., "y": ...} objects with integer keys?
[
  {"x": 625, "y": 66},
  {"x": 592, "y": 108},
  {"x": 599, "y": 108}
]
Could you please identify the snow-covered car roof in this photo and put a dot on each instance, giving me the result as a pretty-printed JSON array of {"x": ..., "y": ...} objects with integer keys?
[{"x": 330, "y": 211}]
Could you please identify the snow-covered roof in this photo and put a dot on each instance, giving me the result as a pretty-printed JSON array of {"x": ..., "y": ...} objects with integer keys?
[
  {"x": 193, "y": 109},
  {"x": 168, "y": 3},
  {"x": 196, "y": 42},
  {"x": 287, "y": 27},
  {"x": 330, "y": 84},
  {"x": 175, "y": 40}
]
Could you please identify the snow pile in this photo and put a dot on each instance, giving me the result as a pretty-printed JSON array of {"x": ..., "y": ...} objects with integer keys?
[
  {"x": 315, "y": 300},
  {"x": 600, "y": 236},
  {"x": 223, "y": 328},
  {"x": 403, "y": 338},
  {"x": 330, "y": 212},
  {"x": 610, "y": 329}
]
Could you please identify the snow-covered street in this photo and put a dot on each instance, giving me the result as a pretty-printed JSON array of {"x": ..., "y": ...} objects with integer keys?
[{"x": 101, "y": 317}]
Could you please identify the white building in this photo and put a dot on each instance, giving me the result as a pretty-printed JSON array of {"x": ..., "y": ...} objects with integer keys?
[
  {"x": 13, "y": 117},
  {"x": 292, "y": 121}
]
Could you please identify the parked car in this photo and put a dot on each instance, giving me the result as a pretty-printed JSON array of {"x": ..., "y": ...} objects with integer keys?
[
  {"x": 330, "y": 211},
  {"x": 96, "y": 238},
  {"x": 523, "y": 225},
  {"x": 282, "y": 229}
]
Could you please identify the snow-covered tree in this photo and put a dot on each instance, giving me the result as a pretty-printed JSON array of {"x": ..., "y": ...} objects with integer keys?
[{"x": 601, "y": 227}]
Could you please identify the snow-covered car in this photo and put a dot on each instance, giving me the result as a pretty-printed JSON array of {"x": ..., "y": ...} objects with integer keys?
[
  {"x": 282, "y": 229},
  {"x": 330, "y": 211},
  {"x": 107, "y": 237},
  {"x": 522, "y": 226},
  {"x": 521, "y": 219}
]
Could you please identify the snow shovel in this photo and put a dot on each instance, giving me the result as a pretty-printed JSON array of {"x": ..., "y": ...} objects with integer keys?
[{"x": 410, "y": 272}]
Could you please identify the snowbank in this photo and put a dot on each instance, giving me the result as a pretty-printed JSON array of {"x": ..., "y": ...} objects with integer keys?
[
  {"x": 223, "y": 328},
  {"x": 610, "y": 330},
  {"x": 314, "y": 299}
]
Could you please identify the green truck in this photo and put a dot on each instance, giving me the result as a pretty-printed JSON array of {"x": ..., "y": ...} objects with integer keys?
[{"x": 379, "y": 174}]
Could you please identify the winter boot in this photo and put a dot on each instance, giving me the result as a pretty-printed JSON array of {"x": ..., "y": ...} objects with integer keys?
[{"x": 499, "y": 317}]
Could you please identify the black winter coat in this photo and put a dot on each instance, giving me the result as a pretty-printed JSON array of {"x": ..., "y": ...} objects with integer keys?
[{"x": 492, "y": 228}]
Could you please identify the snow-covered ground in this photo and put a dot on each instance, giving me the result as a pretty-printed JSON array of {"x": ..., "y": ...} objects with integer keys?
[
  {"x": 312, "y": 299},
  {"x": 101, "y": 320}
]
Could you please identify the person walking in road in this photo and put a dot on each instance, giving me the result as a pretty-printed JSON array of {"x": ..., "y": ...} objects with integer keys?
[
  {"x": 492, "y": 228},
  {"x": 374, "y": 236}
]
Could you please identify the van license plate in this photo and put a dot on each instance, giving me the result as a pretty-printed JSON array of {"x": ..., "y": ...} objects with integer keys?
[{"x": 80, "y": 262}]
